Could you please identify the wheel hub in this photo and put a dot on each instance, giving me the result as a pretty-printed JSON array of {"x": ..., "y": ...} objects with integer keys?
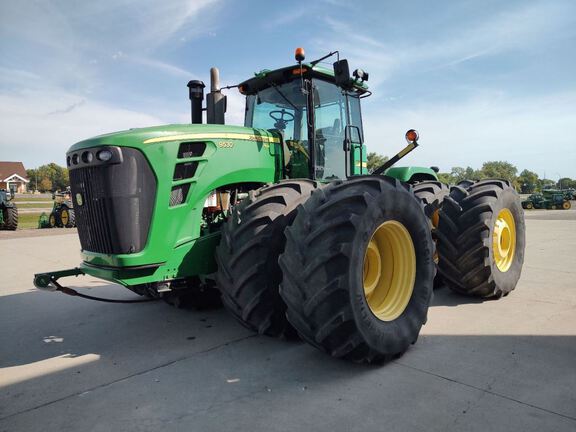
[
  {"x": 504, "y": 240},
  {"x": 389, "y": 270}
]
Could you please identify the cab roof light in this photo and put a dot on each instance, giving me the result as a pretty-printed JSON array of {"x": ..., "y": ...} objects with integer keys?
[{"x": 299, "y": 54}]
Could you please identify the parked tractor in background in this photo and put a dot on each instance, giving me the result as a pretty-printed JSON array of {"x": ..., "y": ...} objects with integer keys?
[
  {"x": 549, "y": 200},
  {"x": 62, "y": 214},
  {"x": 282, "y": 217},
  {"x": 8, "y": 211}
]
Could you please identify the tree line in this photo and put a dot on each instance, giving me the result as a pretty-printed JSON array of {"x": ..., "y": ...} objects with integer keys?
[
  {"x": 525, "y": 182},
  {"x": 48, "y": 178}
]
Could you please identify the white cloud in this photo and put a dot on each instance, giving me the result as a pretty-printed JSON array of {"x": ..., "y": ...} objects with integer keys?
[
  {"x": 38, "y": 127},
  {"x": 522, "y": 28},
  {"x": 532, "y": 132}
]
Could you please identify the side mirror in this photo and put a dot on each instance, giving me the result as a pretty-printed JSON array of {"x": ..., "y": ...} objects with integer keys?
[{"x": 342, "y": 74}]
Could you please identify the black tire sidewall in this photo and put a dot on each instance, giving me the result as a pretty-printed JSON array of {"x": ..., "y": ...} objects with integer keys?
[
  {"x": 507, "y": 280},
  {"x": 387, "y": 336}
]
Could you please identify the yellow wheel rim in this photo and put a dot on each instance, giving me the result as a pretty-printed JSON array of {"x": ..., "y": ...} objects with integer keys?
[
  {"x": 504, "y": 240},
  {"x": 64, "y": 217},
  {"x": 389, "y": 270},
  {"x": 566, "y": 205}
]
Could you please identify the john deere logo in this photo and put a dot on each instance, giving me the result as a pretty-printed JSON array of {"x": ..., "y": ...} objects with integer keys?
[{"x": 79, "y": 199}]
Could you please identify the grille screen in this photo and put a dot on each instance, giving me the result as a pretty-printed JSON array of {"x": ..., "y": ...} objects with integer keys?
[
  {"x": 185, "y": 170},
  {"x": 114, "y": 211},
  {"x": 191, "y": 149},
  {"x": 178, "y": 194}
]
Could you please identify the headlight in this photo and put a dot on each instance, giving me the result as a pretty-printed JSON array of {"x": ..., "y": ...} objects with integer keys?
[
  {"x": 87, "y": 157},
  {"x": 104, "y": 155}
]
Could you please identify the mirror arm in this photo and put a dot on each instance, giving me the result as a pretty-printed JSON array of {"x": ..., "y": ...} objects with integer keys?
[{"x": 411, "y": 146}]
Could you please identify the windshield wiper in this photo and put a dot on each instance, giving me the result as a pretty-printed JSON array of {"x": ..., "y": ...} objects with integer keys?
[{"x": 285, "y": 98}]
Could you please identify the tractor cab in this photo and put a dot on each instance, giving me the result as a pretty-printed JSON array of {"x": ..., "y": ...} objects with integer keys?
[{"x": 320, "y": 121}]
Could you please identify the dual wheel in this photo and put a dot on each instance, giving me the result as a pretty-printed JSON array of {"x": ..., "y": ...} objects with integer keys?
[
  {"x": 350, "y": 266},
  {"x": 347, "y": 266},
  {"x": 62, "y": 217}
]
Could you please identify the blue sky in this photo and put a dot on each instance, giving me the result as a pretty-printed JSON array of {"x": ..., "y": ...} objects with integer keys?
[{"x": 480, "y": 80}]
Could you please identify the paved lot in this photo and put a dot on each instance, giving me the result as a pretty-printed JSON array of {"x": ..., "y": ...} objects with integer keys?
[{"x": 73, "y": 365}]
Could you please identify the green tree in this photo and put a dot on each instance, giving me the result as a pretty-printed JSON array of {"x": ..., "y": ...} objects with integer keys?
[
  {"x": 499, "y": 169},
  {"x": 546, "y": 184},
  {"x": 375, "y": 160},
  {"x": 57, "y": 175},
  {"x": 45, "y": 185},
  {"x": 458, "y": 174},
  {"x": 528, "y": 181},
  {"x": 566, "y": 183},
  {"x": 446, "y": 178}
]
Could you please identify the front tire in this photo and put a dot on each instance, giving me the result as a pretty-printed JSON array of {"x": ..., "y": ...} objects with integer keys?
[
  {"x": 252, "y": 240},
  {"x": 358, "y": 269},
  {"x": 10, "y": 218},
  {"x": 52, "y": 222},
  {"x": 67, "y": 217},
  {"x": 482, "y": 239}
]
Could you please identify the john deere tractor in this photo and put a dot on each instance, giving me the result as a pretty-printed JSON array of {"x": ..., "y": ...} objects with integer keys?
[
  {"x": 62, "y": 214},
  {"x": 8, "y": 212},
  {"x": 549, "y": 200},
  {"x": 282, "y": 217}
]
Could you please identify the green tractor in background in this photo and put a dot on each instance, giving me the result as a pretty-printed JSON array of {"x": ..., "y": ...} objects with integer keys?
[
  {"x": 281, "y": 218},
  {"x": 62, "y": 214},
  {"x": 548, "y": 199},
  {"x": 8, "y": 211}
]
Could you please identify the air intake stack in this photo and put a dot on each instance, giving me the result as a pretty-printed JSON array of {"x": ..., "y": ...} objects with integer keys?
[{"x": 196, "y": 94}]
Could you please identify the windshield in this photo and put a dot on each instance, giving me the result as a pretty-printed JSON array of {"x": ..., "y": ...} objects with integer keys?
[
  {"x": 280, "y": 107},
  {"x": 284, "y": 107}
]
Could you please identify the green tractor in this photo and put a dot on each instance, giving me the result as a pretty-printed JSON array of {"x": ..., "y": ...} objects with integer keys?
[
  {"x": 549, "y": 200},
  {"x": 282, "y": 218},
  {"x": 8, "y": 212},
  {"x": 62, "y": 214}
]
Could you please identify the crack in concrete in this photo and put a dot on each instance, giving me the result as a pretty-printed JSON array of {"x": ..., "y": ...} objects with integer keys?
[
  {"x": 488, "y": 391},
  {"x": 136, "y": 374}
]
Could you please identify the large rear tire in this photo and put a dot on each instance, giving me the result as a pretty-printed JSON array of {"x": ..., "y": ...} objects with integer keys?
[
  {"x": 358, "y": 269},
  {"x": 252, "y": 240},
  {"x": 482, "y": 239},
  {"x": 10, "y": 218},
  {"x": 432, "y": 193},
  {"x": 67, "y": 217},
  {"x": 52, "y": 221}
]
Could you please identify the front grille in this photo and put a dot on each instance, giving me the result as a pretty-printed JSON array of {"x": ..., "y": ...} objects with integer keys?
[{"x": 113, "y": 203}]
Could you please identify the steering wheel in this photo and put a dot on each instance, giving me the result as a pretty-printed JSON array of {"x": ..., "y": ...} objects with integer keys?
[{"x": 282, "y": 118}]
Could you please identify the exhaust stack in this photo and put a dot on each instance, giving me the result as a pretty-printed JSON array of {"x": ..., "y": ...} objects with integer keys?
[{"x": 215, "y": 100}]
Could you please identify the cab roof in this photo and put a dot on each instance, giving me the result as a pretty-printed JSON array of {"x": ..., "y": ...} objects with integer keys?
[{"x": 265, "y": 78}]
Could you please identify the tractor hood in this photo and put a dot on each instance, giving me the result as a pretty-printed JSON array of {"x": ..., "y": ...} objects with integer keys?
[
  {"x": 176, "y": 132},
  {"x": 139, "y": 194}
]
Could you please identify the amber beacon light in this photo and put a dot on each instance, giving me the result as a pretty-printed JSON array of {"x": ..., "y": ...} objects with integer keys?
[{"x": 299, "y": 54}]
